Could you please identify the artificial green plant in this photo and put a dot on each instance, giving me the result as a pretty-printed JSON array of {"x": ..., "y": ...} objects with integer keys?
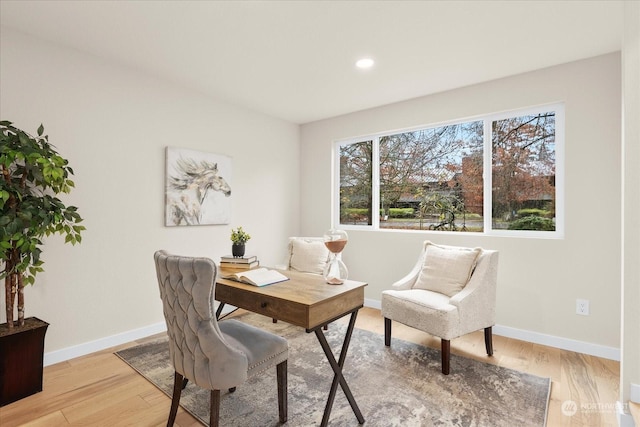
[
  {"x": 239, "y": 236},
  {"x": 33, "y": 174}
]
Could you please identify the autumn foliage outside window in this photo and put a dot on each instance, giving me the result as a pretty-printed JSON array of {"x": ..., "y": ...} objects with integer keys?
[{"x": 496, "y": 173}]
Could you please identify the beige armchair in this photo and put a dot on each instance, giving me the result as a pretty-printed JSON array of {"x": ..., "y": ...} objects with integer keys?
[
  {"x": 213, "y": 355},
  {"x": 450, "y": 292},
  {"x": 307, "y": 254}
]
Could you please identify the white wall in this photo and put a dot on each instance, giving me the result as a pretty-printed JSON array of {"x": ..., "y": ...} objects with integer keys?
[
  {"x": 113, "y": 125},
  {"x": 539, "y": 280},
  {"x": 630, "y": 361}
]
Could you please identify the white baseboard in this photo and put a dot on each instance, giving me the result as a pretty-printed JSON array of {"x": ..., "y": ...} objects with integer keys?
[
  {"x": 597, "y": 350},
  {"x": 543, "y": 339},
  {"x": 625, "y": 419},
  {"x": 634, "y": 393},
  {"x": 68, "y": 353},
  {"x": 58, "y": 356},
  {"x": 505, "y": 331},
  {"x": 373, "y": 303}
]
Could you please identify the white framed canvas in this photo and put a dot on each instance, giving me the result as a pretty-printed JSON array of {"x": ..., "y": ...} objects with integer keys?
[{"x": 197, "y": 188}]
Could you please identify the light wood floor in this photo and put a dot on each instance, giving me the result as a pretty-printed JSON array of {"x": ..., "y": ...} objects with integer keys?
[{"x": 101, "y": 390}]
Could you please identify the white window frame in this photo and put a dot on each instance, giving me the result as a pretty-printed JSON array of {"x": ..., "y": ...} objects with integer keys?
[{"x": 557, "y": 108}]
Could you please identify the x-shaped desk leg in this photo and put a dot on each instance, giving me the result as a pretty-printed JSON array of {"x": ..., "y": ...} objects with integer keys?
[{"x": 337, "y": 370}]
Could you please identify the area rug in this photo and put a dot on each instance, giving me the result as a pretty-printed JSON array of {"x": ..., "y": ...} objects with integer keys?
[{"x": 401, "y": 385}]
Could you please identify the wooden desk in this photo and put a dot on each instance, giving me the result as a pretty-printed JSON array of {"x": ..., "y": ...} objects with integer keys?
[{"x": 304, "y": 300}]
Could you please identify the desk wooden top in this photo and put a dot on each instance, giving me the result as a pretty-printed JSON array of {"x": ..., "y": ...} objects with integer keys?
[{"x": 305, "y": 299}]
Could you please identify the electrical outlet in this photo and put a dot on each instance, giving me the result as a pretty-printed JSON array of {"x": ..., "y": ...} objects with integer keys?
[{"x": 582, "y": 307}]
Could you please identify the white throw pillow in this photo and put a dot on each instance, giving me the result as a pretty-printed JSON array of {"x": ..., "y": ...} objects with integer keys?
[
  {"x": 309, "y": 256},
  {"x": 446, "y": 270}
]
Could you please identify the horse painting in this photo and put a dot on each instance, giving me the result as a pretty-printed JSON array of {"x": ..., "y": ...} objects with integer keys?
[{"x": 192, "y": 186}]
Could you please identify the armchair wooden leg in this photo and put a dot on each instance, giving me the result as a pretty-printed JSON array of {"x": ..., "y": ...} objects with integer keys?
[
  {"x": 175, "y": 400},
  {"x": 214, "y": 415},
  {"x": 446, "y": 355},
  {"x": 387, "y": 332},
  {"x": 281, "y": 372},
  {"x": 488, "y": 340}
]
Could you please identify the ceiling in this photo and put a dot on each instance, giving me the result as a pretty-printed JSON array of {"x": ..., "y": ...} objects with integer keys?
[{"x": 295, "y": 59}]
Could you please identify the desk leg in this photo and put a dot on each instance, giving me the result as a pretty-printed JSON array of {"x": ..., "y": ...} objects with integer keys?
[
  {"x": 219, "y": 310},
  {"x": 337, "y": 369}
]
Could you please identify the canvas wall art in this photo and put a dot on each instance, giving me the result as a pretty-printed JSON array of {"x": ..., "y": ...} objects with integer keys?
[{"x": 198, "y": 188}]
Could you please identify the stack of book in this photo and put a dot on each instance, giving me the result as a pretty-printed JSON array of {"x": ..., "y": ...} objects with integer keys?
[{"x": 239, "y": 263}]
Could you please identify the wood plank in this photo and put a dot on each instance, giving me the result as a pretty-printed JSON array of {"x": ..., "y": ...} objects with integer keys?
[{"x": 54, "y": 419}]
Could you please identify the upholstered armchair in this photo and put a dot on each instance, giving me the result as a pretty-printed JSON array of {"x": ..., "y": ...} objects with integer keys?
[
  {"x": 307, "y": 254},
  {"x": 213, "y": 355},
  {"x": 450, "y": 292}
]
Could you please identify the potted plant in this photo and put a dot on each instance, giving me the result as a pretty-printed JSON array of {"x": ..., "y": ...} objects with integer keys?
[
  {"x": 32, "y": 174},
  {"x": 239, "y": 238}
]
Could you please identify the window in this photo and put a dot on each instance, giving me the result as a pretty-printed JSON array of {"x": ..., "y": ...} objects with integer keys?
[
  {"x": 356, "y": 189},
  {"x": 496, "y": 174}
]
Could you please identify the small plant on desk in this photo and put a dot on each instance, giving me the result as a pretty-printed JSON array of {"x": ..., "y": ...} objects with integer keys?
[{"x": 239, "y": 238}]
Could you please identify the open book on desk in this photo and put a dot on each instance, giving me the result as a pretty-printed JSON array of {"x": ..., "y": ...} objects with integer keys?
[{"x": 256, "y": 277}]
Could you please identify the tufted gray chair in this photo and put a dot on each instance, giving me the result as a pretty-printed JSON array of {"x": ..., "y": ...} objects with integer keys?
[{"x": 213, "y": 355}]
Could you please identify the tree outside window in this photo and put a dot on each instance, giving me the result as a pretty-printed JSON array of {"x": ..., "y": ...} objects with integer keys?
[
  {"x": 523, "y": 172},
  {"x": 434, "y": 178},
  {"x": 422, "y": 174},
  {"x": 356, "y": 183}
]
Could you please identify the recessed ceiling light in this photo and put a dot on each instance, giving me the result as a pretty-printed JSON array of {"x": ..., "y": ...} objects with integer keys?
[{"x": 365, "y": 63}]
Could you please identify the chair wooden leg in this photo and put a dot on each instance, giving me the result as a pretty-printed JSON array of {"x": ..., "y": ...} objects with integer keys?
[
  {"x": 281, "y": 370},
  {"x": 175, "y": 400},
  {"x": 488, "y": 340},
  {"x": 446, "y": 355},
  {"x": 214, "y": 411},
  {"x": 387, "y": 332}
]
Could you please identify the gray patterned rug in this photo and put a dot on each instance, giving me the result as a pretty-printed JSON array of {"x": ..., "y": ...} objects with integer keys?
[{"x": 397, "y": 386}]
